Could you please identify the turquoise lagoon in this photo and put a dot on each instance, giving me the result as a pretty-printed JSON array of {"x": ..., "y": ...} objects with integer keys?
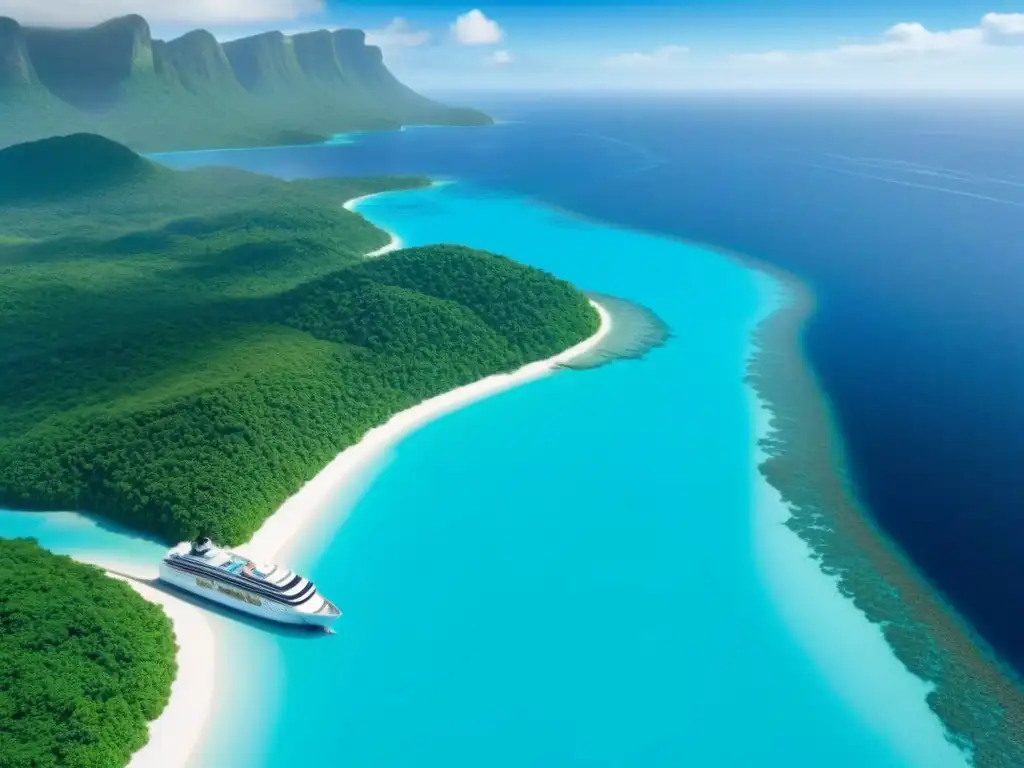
[{"x": 580, "y": 571}]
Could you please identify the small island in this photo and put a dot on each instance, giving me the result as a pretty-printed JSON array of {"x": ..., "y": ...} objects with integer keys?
[{"x": 87, "y": 662}]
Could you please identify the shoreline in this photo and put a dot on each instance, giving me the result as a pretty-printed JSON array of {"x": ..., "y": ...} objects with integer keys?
[
  {"x": 178, "y": 731},
  {"x": 180, "y": 728},
  {"x": 329, "y": 140},
  {"x": 394, "y": 244},
  {"x": 183, "y": 724},
  {"x": 303, "y": 509},
  {"x": 803, "y": 481}
]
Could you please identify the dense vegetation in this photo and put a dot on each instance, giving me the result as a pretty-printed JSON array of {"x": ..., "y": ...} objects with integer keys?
[
  {"x": 60, "y": 166},
  {"x": 193, "y": 92},
  {"x": 182, "y": 352},
  {"x": 85, "y": 662}
]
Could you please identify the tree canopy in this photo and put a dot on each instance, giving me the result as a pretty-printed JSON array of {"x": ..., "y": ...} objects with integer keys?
[
  {"x": 85, "y": 662},
  {"x": 182, "y": 352}
]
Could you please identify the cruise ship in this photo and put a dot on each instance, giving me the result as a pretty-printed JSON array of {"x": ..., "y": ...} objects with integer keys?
[{"x": 268, "y": 591}]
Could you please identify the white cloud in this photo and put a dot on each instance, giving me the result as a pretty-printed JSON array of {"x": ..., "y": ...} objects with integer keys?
[
  {"x": 908, "y": 40},
  {"x": 398, "y": 34},
  {"x": 665, "y": 56},
  {"x": 500, "y": 58},
  {"x": 79, "y": 12},
  {"x": 473, "y": 28},
  {"x": 1003, "y": 28}
]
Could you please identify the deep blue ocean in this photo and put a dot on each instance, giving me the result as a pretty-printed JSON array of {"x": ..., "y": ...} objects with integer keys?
[{"x": 579, "y": 571}]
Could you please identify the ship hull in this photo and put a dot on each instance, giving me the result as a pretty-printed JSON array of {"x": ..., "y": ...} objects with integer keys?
[{"x": 242, "y": 600}]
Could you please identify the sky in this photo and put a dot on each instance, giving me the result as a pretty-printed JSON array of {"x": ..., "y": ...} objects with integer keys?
[{"x": 826, "y": 45}]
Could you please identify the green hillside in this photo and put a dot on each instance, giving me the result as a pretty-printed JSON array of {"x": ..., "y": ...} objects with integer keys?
[
  {"x": 85, "y": 662},
  {"x": 183, "y": 350},
  {"x": 194, "y": 92},
  {"x": 67, "y": 165}
]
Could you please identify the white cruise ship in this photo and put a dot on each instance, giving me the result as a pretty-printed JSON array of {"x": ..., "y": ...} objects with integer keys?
[{"x": 268, "y": 591}]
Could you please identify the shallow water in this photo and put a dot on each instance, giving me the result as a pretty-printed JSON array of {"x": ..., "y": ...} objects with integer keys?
[
  {"x": 568, "y": 573},
  {"x": 99, "y": 541},
  {"x": 573, "y": 572}
]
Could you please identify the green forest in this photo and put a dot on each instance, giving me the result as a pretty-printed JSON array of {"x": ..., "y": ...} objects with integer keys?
[
  {"x": 85, "y": 662},
  {"x": 182, "y": 350}
]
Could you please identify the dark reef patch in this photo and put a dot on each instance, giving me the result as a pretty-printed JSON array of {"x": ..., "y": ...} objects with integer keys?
[
  {"x": 636, "y": 330},
  {"x": 979, "y": 699}
]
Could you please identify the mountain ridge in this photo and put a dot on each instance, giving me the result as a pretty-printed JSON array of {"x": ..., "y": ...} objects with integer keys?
[
  {"x": 197, "y": 59},
  {"x": 193, "y": 91}
]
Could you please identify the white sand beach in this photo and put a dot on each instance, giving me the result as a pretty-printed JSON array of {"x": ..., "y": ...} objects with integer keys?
[
  {"x": 293, "y": 518},
  {"x": 176, "y": 734},
  {"x": 395, "y": 243}
]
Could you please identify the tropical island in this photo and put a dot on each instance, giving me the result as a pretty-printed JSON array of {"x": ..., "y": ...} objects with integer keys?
[
  {"x": 194, "y": 92},
  {"x": 87, "y": 662},
  {"x": 187, "y": 348}
]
